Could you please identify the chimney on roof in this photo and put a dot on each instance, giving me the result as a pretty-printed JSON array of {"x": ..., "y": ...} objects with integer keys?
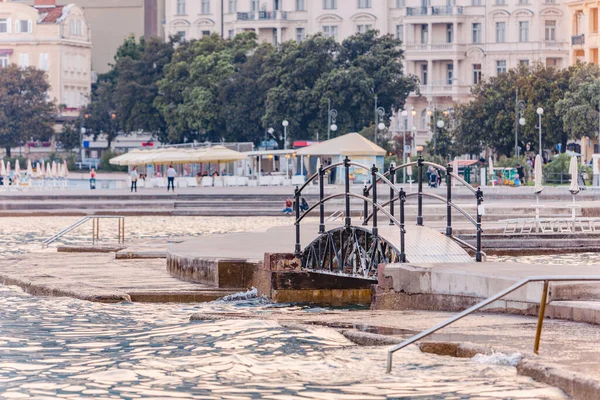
[{"x": 44, "y": 3}]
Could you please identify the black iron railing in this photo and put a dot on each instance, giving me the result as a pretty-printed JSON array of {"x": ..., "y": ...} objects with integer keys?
[{"x": 370, "y": 195}]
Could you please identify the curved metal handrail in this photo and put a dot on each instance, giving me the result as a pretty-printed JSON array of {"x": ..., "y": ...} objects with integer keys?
[
  {"x": 435, "y": 196},
  {"x": 314, "y": 176}
]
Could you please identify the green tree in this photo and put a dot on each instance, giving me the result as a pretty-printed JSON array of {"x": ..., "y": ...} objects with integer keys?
[
  {"x": 25, "y": 111},
  {"x": 579, "y": 107},
  {"x": 189, "y": 91},
  {"x": 69, "y": 137},
  {"x": 442, "y": 142},
  {"x": 488, "y": 120}
]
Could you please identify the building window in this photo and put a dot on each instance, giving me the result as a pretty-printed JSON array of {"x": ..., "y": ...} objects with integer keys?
[
  {"x": 75, "y": 27},
  {"x": 330, "y": 31},
  {"x": 232, "y": 6},
  {"x": 363, "y": 28},
  {"x": 424, "y": 74},
  {"x": 523, "y": 2},
  {"x": 552, "y": 62},
  {"x": 180, "y": 7},
  {"x": 205, "y": 33},
  {"x": 364, "y": 3},
  {"x": 449, "y": 33},
  {"x": 424, "y": 120},
  {"x": 500, "y": 67},
  {"x": 230, "y": 34},
  {"x": 550, "y": 30},
  {"x": 449, "y": 73},
  {"x": 300, "y": 34},
  {"x": 329, "y": 4},
  {"x": 476, "y": 31},
  {"x": 23, "y": 60},
  {"x": 476, "y": 73},
  {"x": 424, "y": 33},
  {"x": 400, "y": 32},
  {"x": 523, "y": 31},
  {"x": 500, "y": 2},
  {"x": 3, "y": 25},
  {"x": 500, "y": 32},
  {"x": 475, "y": 2},
  {"x": 300, "y": 5},
  {"x": 4, "y": 61},
  {"x": 205, "y": 7},
  {"x": 524, "y": 62},
  {"x": 181, "y": 35},
  {"x": 23, "y": 26},
  {"x": 400, "y": 3},
  {"x": 44, "y": 62}
]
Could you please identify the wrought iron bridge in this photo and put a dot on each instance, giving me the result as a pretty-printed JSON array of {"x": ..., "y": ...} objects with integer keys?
[{"x": 357, "y": 249}]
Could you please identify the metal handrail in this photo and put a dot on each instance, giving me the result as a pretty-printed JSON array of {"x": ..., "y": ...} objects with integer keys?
[
  {"x": 95, "y": 228},
  {"x": 498, "y": 296}
]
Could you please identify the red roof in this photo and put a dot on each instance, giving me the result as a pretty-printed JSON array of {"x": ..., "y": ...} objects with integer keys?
[{"x": 51, "y": 15}]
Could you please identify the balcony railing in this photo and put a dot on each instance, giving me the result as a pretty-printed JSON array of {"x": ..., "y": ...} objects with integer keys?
[
  {"x": 435, "y": 10},
  {"x": 435, "y": 47},
  {"x": 578, "y": 39},
  {"x": 261, "y": 15}
]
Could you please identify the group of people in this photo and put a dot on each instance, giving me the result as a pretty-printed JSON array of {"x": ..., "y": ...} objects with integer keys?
[
  {"x": 171, "y": 174},
  {"x": 290, "y": 206}
]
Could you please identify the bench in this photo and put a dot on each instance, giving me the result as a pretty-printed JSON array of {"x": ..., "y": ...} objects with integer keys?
[{"x": 550, "y": 225}]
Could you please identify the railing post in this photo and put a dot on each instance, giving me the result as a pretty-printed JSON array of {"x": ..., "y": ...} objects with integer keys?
[
  {"x": 449, "y": 200},
  {"x": 393, "y": 180},
  {"x": 420, "y": 191},
  {"x": 321, "y": 196},
  {"x": 538, "y": 331},
  {"x": 479, "y": 195},
  {"x": 374, "y": 180},
  {"x": 348, "y": 221},
  {"x": 402, "y": 196},
  {"x": 297, "y": 223},
  {"x": 366, "y": 205}
]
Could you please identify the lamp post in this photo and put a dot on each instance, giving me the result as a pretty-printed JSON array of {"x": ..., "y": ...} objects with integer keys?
[
  {"x": 331, "y": 116},
  {"x": 405, "y": 123},
  {"x": 270, "y": 131},
  {"x": 540, "y": 112},
  {"x": 285, "y": 124},
  {"x": 519, "y": 120},
  {"x": 82, "y": 132},
  {"x": 379, "y": 114},
  {"x": 440, "y": 124}
]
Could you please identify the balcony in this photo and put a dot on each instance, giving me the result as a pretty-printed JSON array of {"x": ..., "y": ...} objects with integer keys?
[
  {"x": 435, "y": 10},
  {"x": 445, "y": 90},
  {"x": 578, "y": 40},
  {"x": 262, "y": 16}
]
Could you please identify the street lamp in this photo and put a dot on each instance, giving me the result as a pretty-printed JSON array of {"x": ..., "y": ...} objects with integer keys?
[
  {"x": 405, "y": 122},
  {"x": 440, "y": 124},
  {"x": 380, "y": 112},
  {"x": 331, "y": 116},
  {"x": 285, "y": 124},
  {"x": 540, "y": 112},
  {"x": 270, "y": 131}
]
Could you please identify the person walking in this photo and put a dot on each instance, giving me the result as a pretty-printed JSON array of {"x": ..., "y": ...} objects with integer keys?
[
  {"x": 134, "y": 177},
  {"x": 171, "y": 174},
  {"x": 92, "y": 179}
]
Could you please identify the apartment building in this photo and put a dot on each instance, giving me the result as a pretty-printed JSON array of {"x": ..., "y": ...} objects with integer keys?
[
  {"x": 450, "y": 44},
  {"x": 53, "y": 38},
  {"x": 112, "y": 21}
]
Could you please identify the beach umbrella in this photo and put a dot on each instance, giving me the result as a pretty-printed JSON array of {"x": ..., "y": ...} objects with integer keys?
[
  {"x": 54, "y": 169},
  {"x": 409, "y": 171},
  {"x": 318, "y": 165},
  {"x": 29, "y": 168},
  {"x": 65, "y": 169},
  {"x": 60, "y": 170},
  {"x": 48, "y": 170},
  {"x": 538, "y": 175},
  {"x": 8, "y": 168},
  {"x": 42, "y": 169},
  {"x": 17, "y": 167},
  {"x": 574, "y": 171},
  {"x": 2, "y": 168}
]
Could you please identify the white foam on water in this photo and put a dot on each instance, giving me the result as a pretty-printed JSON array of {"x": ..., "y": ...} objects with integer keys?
[
  {"x": 498, "y": 359},
  {"x": 247, "y": 295}
]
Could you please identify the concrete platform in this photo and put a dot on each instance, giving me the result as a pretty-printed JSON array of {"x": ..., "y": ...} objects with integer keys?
[
  {"x": 100, "y": 277},
  {"x": 452, "y": 287}
]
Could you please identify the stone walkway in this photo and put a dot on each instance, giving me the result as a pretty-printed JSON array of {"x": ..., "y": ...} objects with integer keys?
[{"x": 100, "y": 277}]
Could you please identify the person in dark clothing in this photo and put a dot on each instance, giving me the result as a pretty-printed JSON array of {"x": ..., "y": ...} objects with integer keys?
[
  {"x": 521, "y": 172},
  {"x": 303, "y": 205}
]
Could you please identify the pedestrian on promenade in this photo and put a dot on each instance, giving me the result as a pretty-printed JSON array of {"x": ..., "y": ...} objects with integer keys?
[
  {"x": 134, "y": 177},
  {"x": 171, "y": 174},
  {"x": 303, "y": 205},
  {"x": 92, "y": 179},
  {"x": 288, "y": 207}
]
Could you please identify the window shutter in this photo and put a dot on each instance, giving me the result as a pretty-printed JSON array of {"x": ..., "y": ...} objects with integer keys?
[
  {"x": 29, "y": 26},
  {"x": 17, "y": 26}
]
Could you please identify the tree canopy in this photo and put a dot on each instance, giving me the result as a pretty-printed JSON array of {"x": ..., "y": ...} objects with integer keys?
[{"x": 25, "y": 110}]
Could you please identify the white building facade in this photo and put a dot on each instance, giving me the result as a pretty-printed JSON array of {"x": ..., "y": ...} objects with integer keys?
[{"x": 449, "y": 44}]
